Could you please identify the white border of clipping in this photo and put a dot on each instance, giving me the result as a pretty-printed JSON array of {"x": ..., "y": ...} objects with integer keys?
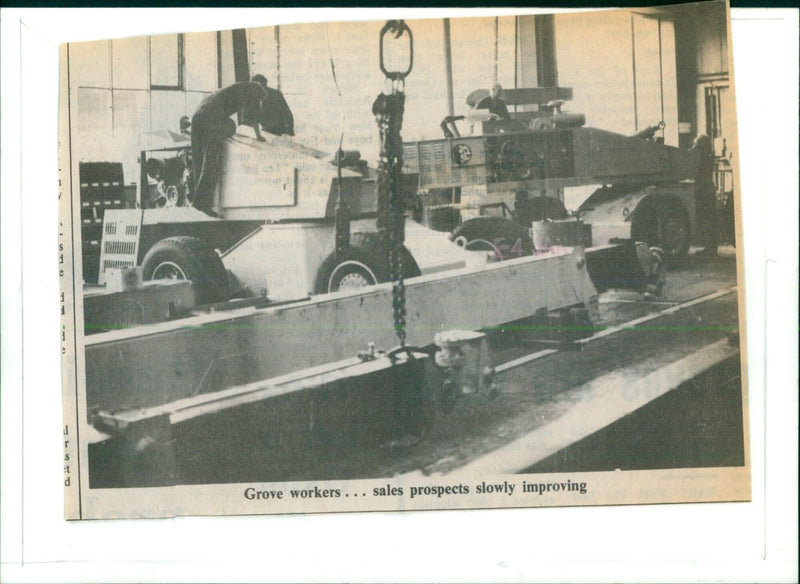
[{"x": 748, "y": 542}]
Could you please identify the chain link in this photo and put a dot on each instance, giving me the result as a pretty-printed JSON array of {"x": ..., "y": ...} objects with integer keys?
[{"x": 388, "y": 110}]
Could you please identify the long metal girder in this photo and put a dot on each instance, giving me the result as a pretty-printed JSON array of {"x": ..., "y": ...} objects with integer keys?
[
  {"x": 296, "y": 420},
  {"x": 157, "y": 364}
]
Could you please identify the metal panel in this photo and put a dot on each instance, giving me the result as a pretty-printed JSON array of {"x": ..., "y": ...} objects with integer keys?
[
  {"x": 450, "y": 162},
  {"x": 151, "y": 302},
  {"x": 121, "y": 231},
  {"x": 290, "y": 256},
  {"x": 275, "y": 180},
  {"x": 606, "y": 156}
]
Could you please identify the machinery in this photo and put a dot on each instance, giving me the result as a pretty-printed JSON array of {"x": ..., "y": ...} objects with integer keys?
[
  {"x": 520, "y": 167},
  {"x": 496, "y": 191},
  {"x": 276, "y": 202}
]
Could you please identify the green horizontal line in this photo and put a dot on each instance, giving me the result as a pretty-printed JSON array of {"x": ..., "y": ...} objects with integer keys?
[{"x": 509, "y": 328}]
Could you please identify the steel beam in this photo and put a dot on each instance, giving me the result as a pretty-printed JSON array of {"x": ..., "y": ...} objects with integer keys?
[{"x": 157, "y": 364}]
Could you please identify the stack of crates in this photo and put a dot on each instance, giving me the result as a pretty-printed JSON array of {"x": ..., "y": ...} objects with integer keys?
[{"x": 102, "y": 188}]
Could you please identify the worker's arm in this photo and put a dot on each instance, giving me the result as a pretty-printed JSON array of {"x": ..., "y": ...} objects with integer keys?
[
  {"x": 251, "y": 112},
  {"x": 257, "y": 130}
]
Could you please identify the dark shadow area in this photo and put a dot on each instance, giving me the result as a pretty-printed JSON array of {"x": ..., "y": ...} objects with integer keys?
[{"x": 697, "y": 425}]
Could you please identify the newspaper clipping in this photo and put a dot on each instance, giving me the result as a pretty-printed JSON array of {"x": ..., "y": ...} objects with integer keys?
[{"x": 445, "y": 263}]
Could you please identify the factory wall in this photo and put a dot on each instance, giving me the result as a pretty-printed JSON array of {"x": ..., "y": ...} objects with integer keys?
[
  {"x": 124, "y": 88},
  {"x": 621, "y": 66},
  {"x": 300, "y": 65}
]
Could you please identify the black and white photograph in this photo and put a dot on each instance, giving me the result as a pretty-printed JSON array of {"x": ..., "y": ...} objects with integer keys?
[{"x": 410, "y": 264}]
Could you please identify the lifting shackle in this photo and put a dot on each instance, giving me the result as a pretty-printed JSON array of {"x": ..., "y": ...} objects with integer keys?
[{"x": 397, "y": 27}]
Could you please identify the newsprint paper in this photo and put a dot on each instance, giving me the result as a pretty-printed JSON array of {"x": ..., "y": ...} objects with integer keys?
[{"x": 445, "y": 263}]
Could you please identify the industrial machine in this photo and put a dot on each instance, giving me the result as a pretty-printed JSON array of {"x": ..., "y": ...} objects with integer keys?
[
  {"x": 277, "y": 201},
  {"x": 518, "y": 168}
]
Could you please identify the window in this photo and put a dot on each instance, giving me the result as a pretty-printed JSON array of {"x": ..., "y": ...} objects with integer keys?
[
  {"x": 129, "y": 63},
  {"x": 201, "y": 68},
  {"x": 89, "y": 64},
  {"x": 166, "y": 61}
]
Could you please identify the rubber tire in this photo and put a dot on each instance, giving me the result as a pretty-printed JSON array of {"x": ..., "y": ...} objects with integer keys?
[
  {"x": 501, "y": 232},
  {"x": 649, "y": 220},
  {"x": 199, "y": 264},
  {"x": 367, "y": 257},
  {"x": 538, "y": 209}
]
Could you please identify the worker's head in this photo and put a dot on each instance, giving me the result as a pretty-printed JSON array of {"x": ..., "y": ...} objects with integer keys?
[
  {"x": 496, "y": 90},
  {"x": 260, "y": 79}
]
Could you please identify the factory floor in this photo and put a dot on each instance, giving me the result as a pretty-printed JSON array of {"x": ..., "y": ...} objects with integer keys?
[{"x": 697, "y": 422}]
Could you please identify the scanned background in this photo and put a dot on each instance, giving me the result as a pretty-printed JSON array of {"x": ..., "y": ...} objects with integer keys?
[{"x": 556, "y": 534}]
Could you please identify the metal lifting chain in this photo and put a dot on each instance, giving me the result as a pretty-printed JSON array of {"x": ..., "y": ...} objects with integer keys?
[{"x": 388, "y": 109}]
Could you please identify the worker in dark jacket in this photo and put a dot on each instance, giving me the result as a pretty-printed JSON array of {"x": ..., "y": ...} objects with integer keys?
[
  {"x": 494, "y": 103},
  {"x": 276, "y": 117},
  {"x": 212, "y": 124}
]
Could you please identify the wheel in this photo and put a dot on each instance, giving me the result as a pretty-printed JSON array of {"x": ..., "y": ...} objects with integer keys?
[
  {"x": 186, "y": 258},
  {"x": 366, "y": 263},
  {"x": 663, "y": 222},
  {"x": 350, "y": 274},
  {"x": 503, "y": 236},
  {"x": 673, "y": 232},
  {"x": 530, "y": 209}
]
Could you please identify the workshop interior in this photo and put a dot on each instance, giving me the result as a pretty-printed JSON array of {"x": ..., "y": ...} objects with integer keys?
[{"x": 436, "y": 247}]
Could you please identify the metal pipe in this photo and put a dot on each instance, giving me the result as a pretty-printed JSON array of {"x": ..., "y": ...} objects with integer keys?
[
  {"x": 448, "y": 64},
  {"x": 661, "y": 73},
  {"x": 496, "y": 49},
  {"x": 278, "y": 56},
  {"x": 633, "y": 67},
  {"x": 516, "y": 55}
]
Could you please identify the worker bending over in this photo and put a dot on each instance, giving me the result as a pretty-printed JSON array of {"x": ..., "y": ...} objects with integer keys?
[
  {"x": 212, "y": 124},
  {"x": 276, "y": 117}
]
